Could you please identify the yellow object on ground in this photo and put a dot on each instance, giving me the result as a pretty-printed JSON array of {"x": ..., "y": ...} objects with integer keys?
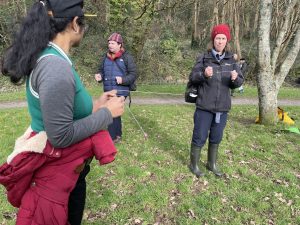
[{"x": 282, "y": 116}]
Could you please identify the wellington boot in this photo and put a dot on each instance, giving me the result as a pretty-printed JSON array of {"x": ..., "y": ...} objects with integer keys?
[
  {"x": 195, "y": 157},
  {"x": 212, "y": 156}
]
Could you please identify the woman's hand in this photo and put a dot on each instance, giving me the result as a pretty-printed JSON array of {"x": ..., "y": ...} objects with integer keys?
[
  {"x": 110, "y": 100},
  {"x": 98, "y": 77},
  {"x": 119, "y": 80},
  {"x": 103, "y": 99},
  {"x": 234, "y": 75},
  {"x": 208, "y": 72},
  {"x": 116, "y": 106}
]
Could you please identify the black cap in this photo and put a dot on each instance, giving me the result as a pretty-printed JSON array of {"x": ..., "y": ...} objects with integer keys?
[{"x": 66, "y": 8}]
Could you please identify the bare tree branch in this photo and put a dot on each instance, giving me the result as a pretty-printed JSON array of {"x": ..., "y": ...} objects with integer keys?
[
  {"x": 282, "y": 33},
  {"x": 290, "y": 58}
]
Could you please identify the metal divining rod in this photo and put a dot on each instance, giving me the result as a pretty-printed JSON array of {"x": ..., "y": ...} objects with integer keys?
[{"x": 137, "y": 122}]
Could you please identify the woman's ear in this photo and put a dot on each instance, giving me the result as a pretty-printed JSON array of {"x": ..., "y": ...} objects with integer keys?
[{"x": 75, "y": 26}]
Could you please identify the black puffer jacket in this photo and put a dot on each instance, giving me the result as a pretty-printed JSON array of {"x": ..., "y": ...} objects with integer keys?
[{"x": 214, "y": 92}]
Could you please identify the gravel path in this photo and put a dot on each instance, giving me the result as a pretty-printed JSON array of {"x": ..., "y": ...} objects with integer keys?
[
  {"x": 235, "y": 101},
  {"x": 168, "y": 101}
]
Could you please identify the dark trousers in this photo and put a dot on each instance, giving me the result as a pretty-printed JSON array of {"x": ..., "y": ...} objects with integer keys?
[
  {"x": 115, "y": 129},
  {"x": 77, "y": 198},
  {"x": 205, "y": 124}
]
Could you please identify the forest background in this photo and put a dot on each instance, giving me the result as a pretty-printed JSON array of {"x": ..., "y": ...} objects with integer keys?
[
  {"x": 149, "y": 183},
  {"x": 164, "y": 36}
]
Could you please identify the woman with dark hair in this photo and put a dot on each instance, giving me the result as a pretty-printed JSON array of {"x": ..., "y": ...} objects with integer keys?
[
  {"x": 59, "y": 106},
  {"x": 215, "y": 73}
]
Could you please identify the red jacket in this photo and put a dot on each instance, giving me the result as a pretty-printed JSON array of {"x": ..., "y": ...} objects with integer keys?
[{"x": 40, "y": 184}]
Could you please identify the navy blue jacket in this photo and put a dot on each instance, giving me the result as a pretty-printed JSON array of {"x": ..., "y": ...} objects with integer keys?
[
  {"x": 123, "y": 67},
  {"x": 214, "y": 92}
]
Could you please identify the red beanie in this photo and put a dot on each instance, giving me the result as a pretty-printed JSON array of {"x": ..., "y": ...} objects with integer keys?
[
  {"x": 116, "y": 37},
  {"x": 221, "y": 29}
]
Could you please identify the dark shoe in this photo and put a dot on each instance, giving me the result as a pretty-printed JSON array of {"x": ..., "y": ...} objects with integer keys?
[
  {"x": 118, "y": 139},
  {"x": 195, "y": 156},
  {"x": 212, "y": 156}
]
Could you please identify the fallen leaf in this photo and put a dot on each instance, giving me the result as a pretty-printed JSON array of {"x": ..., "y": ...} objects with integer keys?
[
  {"x": 224, "y": 200},
  {"x": 138, "y": 221},
  {"x": 215, "y": 219},
  {"x": 271, "y": 222},
  {"x": 9, "y": 215},
  {"x": 191, "y": 214},
  {"x": 277, "y": 181},
  {"x": 113, "y": 206},
  {"x": 290, "y": 202},
  {"x": 282, "y": 200},
  {"x": 235, "y": 176}
]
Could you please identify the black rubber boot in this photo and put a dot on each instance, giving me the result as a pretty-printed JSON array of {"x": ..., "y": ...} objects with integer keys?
[
  {"x": 212, "y": 156},
  {"x": 195, "y": 157}
]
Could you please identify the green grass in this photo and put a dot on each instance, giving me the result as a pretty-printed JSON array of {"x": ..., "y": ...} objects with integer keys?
[
  {"x": 17, "y": 95},
  {"x": 149, "y": 181},
  {"x": 162, "y": 90}
]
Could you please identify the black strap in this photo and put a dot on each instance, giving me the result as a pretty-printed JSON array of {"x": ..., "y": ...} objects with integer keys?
[
  {"x": 129, "y": 99},
  {"x": 120, "y": 68}
]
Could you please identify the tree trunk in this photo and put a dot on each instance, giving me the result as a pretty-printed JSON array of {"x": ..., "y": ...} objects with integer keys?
[
  {"x": 196, "y": 31},
  {"x": 107, "y": 12},
  {"x": 265, "y": 80},
  {"x": 255, "y": 23},
  {"x": 223, "y": 19},
  {"x": 169, "y": 12},
  {"x": 215, "y": 13},
  {"x": 273, "y": 68},
  {"x": 230, "y": 13},
  {"x": 25, "y": 8},
  {"x": 236, "y": 23}
]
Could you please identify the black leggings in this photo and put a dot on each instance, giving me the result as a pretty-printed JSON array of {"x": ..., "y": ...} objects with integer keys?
[
  {"x": 77, "y": 198},
  {"x": 115, "y": 129}
]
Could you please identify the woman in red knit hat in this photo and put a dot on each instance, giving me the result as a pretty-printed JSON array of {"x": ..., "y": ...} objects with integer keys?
[{"x": 215, "y": 73}]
